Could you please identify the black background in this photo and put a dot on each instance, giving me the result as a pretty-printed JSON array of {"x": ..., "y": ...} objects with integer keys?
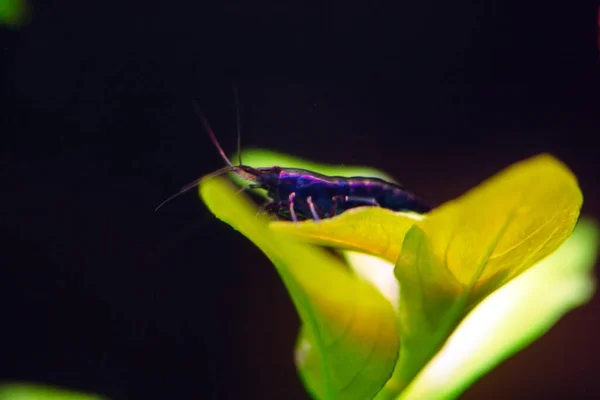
[{"x": 99, "y": 293}]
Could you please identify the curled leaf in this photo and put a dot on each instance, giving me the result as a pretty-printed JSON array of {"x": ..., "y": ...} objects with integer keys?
[
  {"x": 371, "y": 230},
  {"x": 350, "y": 327}
]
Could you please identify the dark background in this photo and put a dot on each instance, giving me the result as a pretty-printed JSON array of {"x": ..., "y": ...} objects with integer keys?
[{"x": 100, "y": 293}]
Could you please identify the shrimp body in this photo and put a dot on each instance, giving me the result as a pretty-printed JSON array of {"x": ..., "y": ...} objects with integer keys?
[{"x": 299, "y": 194}]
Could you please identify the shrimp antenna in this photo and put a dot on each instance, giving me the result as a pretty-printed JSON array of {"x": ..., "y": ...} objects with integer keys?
[
  {"x": 196, "y": 182},
  {"x": 230, "y": 167},
  {"x": 211, "y": 134},
  {"x": 239, "y": 125}
]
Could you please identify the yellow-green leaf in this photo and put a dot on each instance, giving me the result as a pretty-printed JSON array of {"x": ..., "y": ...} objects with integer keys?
[
  {"x": 468, "y": 248},
  {"x": 350, "y": 326},
  {"x": 505, "y": 225},
  {"x": 512, "y": 317}
]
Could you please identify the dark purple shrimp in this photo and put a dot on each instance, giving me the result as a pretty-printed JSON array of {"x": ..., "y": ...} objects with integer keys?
[{"x": 298, "y": 194}]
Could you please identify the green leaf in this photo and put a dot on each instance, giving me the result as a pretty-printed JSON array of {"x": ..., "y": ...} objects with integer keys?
[
  {"x": 349, "y": 325},
  {"x": 512, "y": 317},
  {"x": 468, "y": 248},
  {"x": 28, "y": 391}
]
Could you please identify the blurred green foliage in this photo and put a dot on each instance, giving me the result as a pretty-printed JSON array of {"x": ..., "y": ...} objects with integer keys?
[
  {"x": 30, "y": 391},
  {"x": 14, "y": 13}
]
